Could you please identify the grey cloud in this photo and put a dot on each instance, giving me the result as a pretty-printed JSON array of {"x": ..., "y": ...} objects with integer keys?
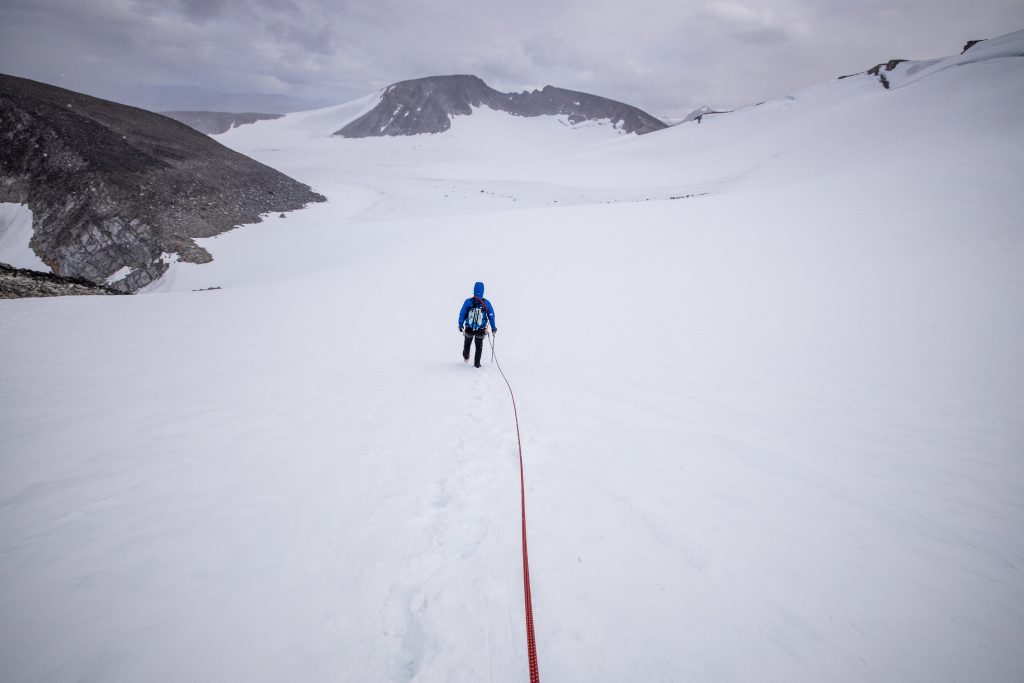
[
  {"x": 202, "y": 10},
  {"x": 551, "y": 50},
  {"x": 665, "y": 56}
]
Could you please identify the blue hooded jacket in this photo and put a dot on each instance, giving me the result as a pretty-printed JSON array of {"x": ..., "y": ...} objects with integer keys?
[{"x": 478, "y": 293}]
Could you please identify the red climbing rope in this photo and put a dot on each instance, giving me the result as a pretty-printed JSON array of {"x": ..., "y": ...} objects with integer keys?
[{"x": 531, "y": 641}]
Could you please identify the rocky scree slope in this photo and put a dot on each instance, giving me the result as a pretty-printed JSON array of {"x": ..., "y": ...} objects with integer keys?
[
  {"x": 217, "y": 122},
  {"x": 17, "y": 283},
  {"x": 113, "y": 188},
  {"x": 427, "y": 105}
]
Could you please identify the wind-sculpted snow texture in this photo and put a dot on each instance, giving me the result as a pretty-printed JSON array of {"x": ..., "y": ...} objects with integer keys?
[
  {"x": 113, "y": 187},
  {"x": 771, "y": 429},
  {"x": 427, "y": 105}
]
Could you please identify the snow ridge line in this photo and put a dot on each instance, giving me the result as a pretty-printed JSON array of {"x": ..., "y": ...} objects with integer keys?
[{"x": 531, "y": 641}]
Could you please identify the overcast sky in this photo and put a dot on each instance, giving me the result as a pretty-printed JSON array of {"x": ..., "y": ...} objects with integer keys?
[{"x": 665, "y": 56}]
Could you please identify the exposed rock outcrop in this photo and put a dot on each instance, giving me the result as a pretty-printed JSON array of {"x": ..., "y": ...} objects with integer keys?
[
  {"x": 217, "y": 122},
  {"x": 971, "y": 43},
  {"x": 427, "y": 105},
  {"x": 877, "y": 69},
  {"x": 16, "y": 283},
  {"x": 699, "y": 114},
  {"x": 114, "y": 187}
]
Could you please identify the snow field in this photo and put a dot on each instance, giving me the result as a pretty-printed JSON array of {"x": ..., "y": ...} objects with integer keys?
[
  {"x": 346, "y": 516},
  {"x": 771, "y": 433}
]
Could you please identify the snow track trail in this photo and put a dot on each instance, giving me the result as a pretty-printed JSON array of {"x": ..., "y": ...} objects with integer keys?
[{"x": 453, "y": 594}]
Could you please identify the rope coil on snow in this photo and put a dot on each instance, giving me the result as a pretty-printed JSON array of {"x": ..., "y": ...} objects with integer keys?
[{"x": 531, "y": 641}]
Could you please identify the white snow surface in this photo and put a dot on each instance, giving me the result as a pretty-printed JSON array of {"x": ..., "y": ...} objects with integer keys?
[
  {"x": 121, "y": 274},
  {"x": 15, "y": 233},
  {"x": 772, "y": 430}
]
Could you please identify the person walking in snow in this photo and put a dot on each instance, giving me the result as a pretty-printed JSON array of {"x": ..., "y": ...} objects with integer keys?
[{"x": 473, "y": 318}]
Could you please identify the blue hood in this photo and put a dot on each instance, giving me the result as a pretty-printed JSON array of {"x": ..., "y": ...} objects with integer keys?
[{"x": 478, "y": 289}]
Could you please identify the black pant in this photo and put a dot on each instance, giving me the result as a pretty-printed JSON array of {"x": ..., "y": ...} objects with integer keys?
[{"x": 470, "y": 335}]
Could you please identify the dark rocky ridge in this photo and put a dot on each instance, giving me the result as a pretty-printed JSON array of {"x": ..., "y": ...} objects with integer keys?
[
  {"x": 112, "y": 186},
  {"x": 17, "y": 283},
  {"x": 971, "y": 43},
  {"x": 876, "y": 70},
  {"x": 426, "y": 105},
  {"x": 217, "y": 122}
]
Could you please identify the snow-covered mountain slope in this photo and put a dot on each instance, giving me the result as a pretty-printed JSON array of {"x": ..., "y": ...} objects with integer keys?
[
  {"x": 440, "y": 174},
  {"x": 897, "y": 73},
  {"x": 429, "y": 105},
  {"x": 771, "y": 430}
]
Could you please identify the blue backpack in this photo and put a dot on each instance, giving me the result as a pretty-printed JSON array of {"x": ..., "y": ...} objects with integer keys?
[{"x": 476, "y": 317}]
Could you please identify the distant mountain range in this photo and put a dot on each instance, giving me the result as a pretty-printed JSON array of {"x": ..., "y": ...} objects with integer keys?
[
  {"x": 427, "y": 105},
  {"x": 217, "y": 122},
  {"x": 116, "y": 191},
  {"x": 160, "y": 98}
]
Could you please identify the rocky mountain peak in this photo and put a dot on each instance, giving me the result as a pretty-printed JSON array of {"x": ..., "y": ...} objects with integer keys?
[
  {"x": 427, "y": 105},
  {"x": 119, "y": 190}
]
